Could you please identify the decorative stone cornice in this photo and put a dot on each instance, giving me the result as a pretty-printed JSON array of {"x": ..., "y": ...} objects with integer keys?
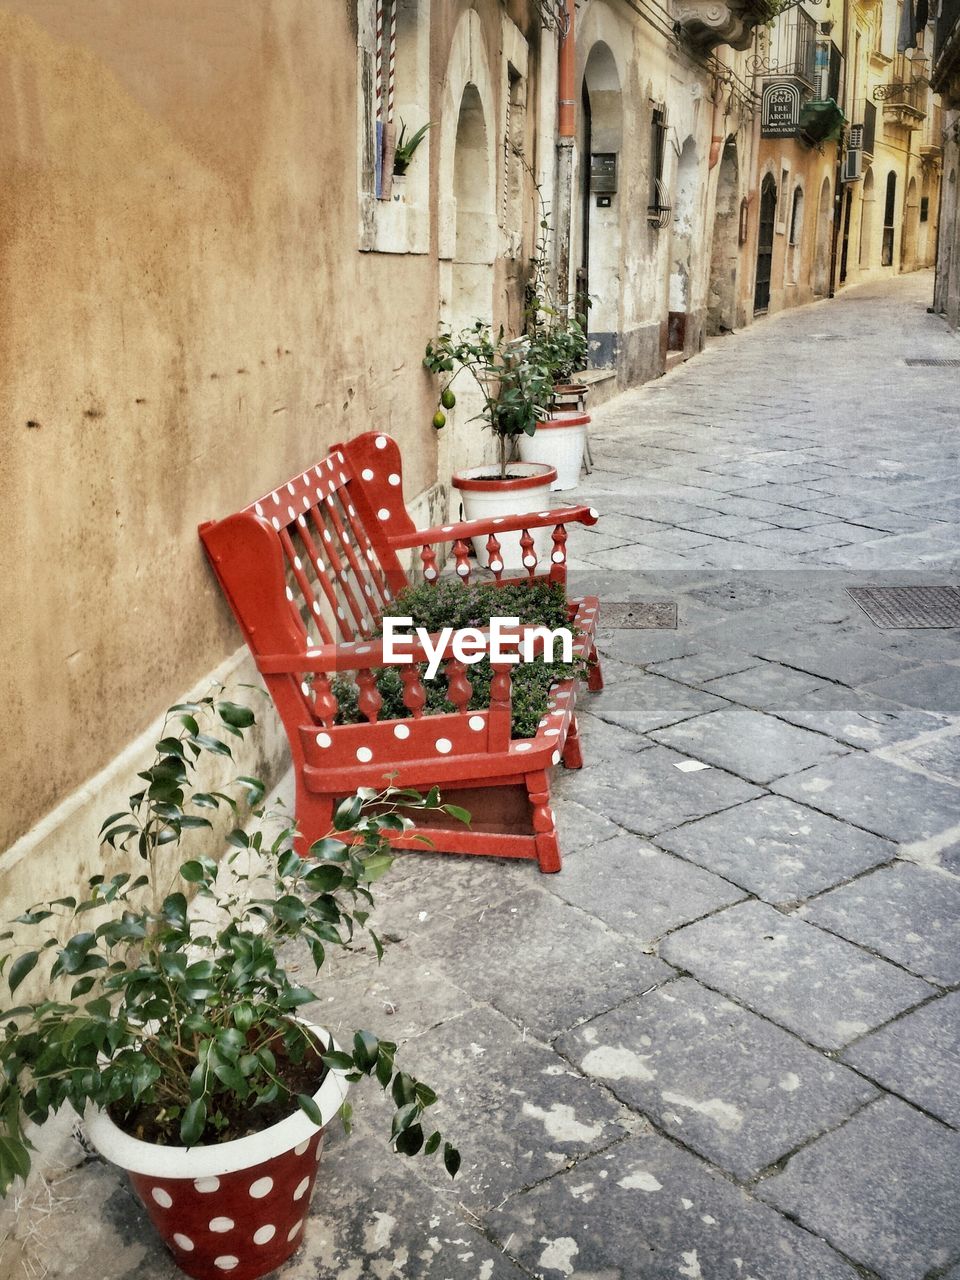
[{"x": 708, "y": 23}]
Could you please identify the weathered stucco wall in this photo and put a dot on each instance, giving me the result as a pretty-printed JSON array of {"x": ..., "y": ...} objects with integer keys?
[{"x": 185, "y": 321}]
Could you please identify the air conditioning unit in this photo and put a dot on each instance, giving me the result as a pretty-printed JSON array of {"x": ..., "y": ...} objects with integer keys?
[
  {"x": 853, "y": 165},
  {"x": 855, "y": 141}
]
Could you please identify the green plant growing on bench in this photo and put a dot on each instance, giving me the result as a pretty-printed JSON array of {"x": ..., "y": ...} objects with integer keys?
[
  {"x": 452, "y": 604},
  {"x": 186, "y": 1031}
]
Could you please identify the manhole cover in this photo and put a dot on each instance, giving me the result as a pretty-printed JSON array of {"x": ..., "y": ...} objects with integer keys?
[
  {"x": 909, "y": 606},
  {"x": 636, "y": 615},
  {"x": 924, "y": 363}
]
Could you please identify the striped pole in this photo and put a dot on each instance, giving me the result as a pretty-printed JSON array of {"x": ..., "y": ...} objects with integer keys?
[
  {"x": 378, "y": 163},
  {"x": 392, "y": 67}
]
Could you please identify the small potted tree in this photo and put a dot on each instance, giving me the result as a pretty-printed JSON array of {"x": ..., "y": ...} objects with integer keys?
[
  {"x": 179, "y": 1033},
  {"x": 558, "y": 343},
  {"x": 515, "y": 389}
]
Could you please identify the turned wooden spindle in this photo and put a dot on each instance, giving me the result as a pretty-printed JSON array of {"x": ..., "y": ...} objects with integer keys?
[
  {"x": 414, "y": 694},
  {"x": 494, "y": 557},
  {"x": 369, "y": 701},
  {"x": 558, "y": 557},
  {"x": 529, "y": 557},
  {"x": 459, "y": 688},
  {"x": 428, "y": 558},
  {"x": 461, "y": 554},
  {"x": 324, "y": 702}
]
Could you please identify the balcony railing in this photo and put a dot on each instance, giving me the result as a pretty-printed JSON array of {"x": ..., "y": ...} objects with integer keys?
[
  {"x": 931, "y": 139},
  {"x": 947, "y": 20},
  {"x": 904, "y": 98},
  {"x": 791, "y": 50}
]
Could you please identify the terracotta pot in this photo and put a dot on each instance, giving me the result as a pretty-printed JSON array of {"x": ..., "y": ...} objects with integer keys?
[
  {"x": 558, "y": 441},
  {"x": 232, "y": 1209},
  {"x": 527, "y": 489}
]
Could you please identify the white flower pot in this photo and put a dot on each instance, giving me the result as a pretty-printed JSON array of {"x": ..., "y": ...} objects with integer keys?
[
  {"x": 558, "y": 442},
  {"x": 526, "y": 489}
]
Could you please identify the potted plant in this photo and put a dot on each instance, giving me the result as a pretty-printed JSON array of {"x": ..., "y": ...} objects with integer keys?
[
  {"x": 515, "y": 389},
  {"x": 558, "y": 343},
  {"x": 403, "y": 154},
  {"x": 179, "y": 1033}
]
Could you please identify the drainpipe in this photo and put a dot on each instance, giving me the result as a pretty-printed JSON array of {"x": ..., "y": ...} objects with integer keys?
[{"x": 566, "y": 133}]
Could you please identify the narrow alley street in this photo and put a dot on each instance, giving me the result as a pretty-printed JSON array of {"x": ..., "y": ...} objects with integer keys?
[{"x": 724, "y": 1042}]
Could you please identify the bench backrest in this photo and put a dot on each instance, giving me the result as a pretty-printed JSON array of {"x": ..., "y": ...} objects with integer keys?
[{"x": 309, "y": 563}]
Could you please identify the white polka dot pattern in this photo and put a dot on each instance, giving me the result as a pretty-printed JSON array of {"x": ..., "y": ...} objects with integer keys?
[
  {"x": 382, "y": 514},
  {"x": 323, "y": 740},
  {"x": 476, "y": 722},
  {"x": 301, "y": 1148},
  {"x": 364, "y": 755},
  {"x": 367, "y": 473},
  {"x": 401, "y": 731},
  {"x": 264, "y": 1234},
  {"x": 221, "y": 1225},
  {"x": 294, "y": 1229},
  {"x": 163, "y": 1198},
  {"x": 226, "y": 1262},
  {"x": 381, "y": 442},
  {"x": 301, "y": 1190},
  {"x": 444, "y": 746},
  {"x": 182, "y": 1242},
  {"x": 262, "y": 1187}
]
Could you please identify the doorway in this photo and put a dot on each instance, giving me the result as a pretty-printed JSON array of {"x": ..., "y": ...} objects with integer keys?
[
  {"x": 768, "y": 213},
  {"x": 725, "y": 256},
  {"x": 601, "y": 138}
]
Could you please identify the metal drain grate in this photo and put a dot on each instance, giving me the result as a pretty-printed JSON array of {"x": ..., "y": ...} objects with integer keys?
[
  {"x": 636, "y": 615},
  {"x": 909, "y": 606},
  {"x": 918, "y": 362}
]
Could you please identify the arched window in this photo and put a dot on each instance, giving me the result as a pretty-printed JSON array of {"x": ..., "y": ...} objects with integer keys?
[{"x": 796, "y": 216}]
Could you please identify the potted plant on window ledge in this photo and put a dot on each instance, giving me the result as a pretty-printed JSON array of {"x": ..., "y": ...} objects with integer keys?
[
  {"x": 179, "y": 1033},
  {"x": 515, "y": 389}
]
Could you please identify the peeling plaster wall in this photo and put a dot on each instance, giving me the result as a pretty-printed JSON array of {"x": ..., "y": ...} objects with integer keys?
[{"x": 185, "y": 321}]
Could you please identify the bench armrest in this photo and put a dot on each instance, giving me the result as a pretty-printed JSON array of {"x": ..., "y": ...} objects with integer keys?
[{"x": 498, "y": 524}]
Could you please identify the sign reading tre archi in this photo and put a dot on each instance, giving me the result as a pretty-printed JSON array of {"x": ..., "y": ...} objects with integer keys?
[{"x": 779, "y": 109}]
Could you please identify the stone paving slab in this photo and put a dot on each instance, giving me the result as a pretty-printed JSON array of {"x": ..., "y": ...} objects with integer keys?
[
  {"x": 698, "y": 668},
  {"x": 648, "y": 794},
  {"x": 516, "y": 1110},
  {"x": 932, "y": 688},
  {"x": 779, "y": 850},
  {"x": 519, "y": 974},
  {"x": 373, "y": 1217},
  {"x": 650, "y": 702},
  {"x": 640, "y": 891},
  {"x": 845, "y": 662},
  {"x": 754, "y": 746},
  {"x": 825, "y": 990},
  {"x": 892, "y": 802},
  {"x": 906, "y": 913},
  {"x": 857, "y": 718},
  {"x": 883, "y": 1188},
  {"x": 647, "y": 1210},
  {"x": 939, "y": 755},
  {"x": 917, "y": 1056},
  {"x": 722, "y": 1081},
  {"x": 764, "y": 685}
]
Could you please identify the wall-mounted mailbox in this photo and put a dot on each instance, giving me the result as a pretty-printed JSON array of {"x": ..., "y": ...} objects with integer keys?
[{"x": 603, "y": 173}]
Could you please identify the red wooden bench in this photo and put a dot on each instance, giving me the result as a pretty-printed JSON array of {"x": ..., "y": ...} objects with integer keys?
[{"x": 307, "y": 569}]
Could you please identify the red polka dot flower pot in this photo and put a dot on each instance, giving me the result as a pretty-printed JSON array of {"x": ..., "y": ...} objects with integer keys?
[{"x": 235, "y": 1208}]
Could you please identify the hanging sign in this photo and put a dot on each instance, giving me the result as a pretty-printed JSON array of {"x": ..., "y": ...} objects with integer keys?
[{"x": 779, "y": 109}]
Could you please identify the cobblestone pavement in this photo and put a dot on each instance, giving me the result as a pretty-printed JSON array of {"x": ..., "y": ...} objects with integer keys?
[{"x": 725, "y": 1041}]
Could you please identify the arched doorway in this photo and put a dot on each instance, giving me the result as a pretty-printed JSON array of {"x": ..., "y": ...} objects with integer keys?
[
  {"x": 725, "y": 256},
  {"x": 866, "y": 220},
  {"x": 911, "y": 228},
  {"x": 768, "y": 213},
  {"x": 821, "y": 261},
  {"x": 470, "y": 293},
  {"x": 601, "y": 138},
  {"x": 686, "y": 200},
  {"x": 889, "y": 220}
]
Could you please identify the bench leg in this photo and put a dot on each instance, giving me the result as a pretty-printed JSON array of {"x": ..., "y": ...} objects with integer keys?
[
  {"x": 314, "y": 818},
  {"x": 594, "y": 672},
  {"x": 544, "y": 826},
  {"x": 572, "y": 755}
]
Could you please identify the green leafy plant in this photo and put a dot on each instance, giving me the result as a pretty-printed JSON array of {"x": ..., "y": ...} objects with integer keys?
[
  {"x": 406, "y": 147},
  {"x": 515, "y": 386},
  {"x": 186, "y": 1031},
  {"x": 453, "y": 604}
]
